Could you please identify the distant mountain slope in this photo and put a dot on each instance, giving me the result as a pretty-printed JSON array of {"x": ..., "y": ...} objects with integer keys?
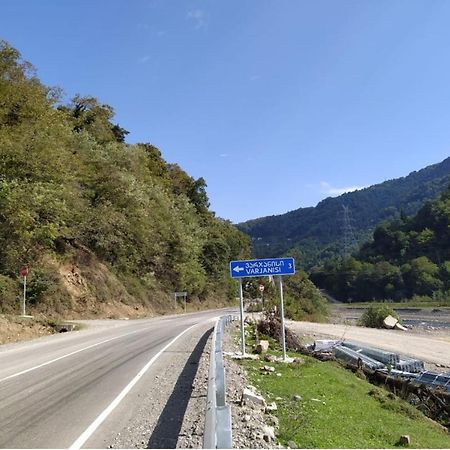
[
  {"x": 314, "y": 234},
  {"x": 406, "y": 257}
]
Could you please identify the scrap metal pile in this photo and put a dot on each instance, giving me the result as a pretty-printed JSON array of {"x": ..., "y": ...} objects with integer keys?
[{"x": 376, "y": 359}]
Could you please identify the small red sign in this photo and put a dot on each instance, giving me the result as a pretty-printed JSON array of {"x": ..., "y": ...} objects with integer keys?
[
  {"x": 261, "y": 287},
  {"x": 24, "y": 271}
]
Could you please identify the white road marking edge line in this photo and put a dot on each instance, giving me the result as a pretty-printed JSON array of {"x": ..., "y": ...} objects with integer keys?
[
  {"x": 99, "y": 420},
  {"x": 65, "y": 356}
]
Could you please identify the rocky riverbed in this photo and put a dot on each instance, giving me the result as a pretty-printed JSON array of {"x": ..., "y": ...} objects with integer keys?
[{"x": 418, "y": 320}]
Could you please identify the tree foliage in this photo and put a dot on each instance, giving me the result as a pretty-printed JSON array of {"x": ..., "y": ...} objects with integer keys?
[
  {"x": 406, "y": 257},
  {"x": 302, "y": 300},
  {"x": 67, "y": 176}
]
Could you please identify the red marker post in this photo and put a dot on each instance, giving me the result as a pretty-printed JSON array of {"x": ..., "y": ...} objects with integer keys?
[{"x": 24, "y": 273}]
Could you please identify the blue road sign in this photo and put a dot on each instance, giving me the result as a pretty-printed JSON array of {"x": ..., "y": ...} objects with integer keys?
[{"x": 262, "y": 267}]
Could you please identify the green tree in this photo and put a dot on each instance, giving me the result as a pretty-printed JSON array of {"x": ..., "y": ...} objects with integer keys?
[
  {"x": 69, "y": 181},
  {"x": 421, "y": 276},
  {"x": 87, "y": 114}
]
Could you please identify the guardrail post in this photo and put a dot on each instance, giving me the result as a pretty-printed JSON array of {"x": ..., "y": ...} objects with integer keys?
[{"x": 224, "y": 431}]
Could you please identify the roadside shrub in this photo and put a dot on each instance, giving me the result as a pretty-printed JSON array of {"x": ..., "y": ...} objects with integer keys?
[
  {"x": 254, "y": 307},
  {"x": 9, "y": 292},
  {"x": 374, "y": 316},
  {"x": 41, "y": 283},
  {"x": 442, "y": 297},
  {"x": 303, "y": 300}
]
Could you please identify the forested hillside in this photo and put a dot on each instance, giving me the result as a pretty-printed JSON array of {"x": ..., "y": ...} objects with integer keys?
[
  {"x": 407, "y": 257},
  {"x": 315, "y": 234},
  {"x": 96, "y": 219}
]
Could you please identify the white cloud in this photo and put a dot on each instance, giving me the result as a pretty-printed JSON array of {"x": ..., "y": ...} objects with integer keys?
[
  {"x": 326, "y": 188},
  {"x": 198, "y": 16}
]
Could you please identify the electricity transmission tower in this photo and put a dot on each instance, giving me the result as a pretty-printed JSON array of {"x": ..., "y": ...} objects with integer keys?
[{"x": 348, "y": 235}]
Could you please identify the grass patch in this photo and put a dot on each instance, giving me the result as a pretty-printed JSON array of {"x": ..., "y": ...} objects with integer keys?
[{"x": 340, "y": 410}]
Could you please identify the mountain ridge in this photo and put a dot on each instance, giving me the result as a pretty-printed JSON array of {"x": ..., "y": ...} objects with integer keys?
[{"x": 313, "y": 234}]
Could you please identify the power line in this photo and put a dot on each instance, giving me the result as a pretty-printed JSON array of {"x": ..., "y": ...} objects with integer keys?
[{"x": 348, "y": 235}]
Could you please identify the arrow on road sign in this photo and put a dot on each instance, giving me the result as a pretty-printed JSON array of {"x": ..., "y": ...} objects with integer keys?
[{"x": 262, "y": 267}]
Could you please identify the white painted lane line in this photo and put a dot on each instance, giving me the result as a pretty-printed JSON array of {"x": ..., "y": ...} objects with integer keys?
[
  {"x": 66, "y": 356},
  {"x": 99, "y": 420}
]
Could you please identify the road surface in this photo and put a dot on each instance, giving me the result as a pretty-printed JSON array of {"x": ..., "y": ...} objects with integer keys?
[
  {"x": 431, "y": 349},
  {"x": 78, "y": 389}
]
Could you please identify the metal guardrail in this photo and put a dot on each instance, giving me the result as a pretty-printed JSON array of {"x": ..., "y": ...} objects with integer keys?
[
  {"x": 435, "y": 379},
  {"x": 396, "y": 361},
  {"x": 217, "y": 433}
]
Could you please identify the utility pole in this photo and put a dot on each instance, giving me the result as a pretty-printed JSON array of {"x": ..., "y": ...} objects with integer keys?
[{"x": 349, "y": 239}]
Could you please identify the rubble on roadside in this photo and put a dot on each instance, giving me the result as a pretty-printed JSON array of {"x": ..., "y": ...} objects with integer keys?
[
  {"x": 267, "y": 369},
  {"x": 392, "y": 322},
  {"x": 253, "y": 422},
  {"x": 239, "y": 355},
  {"x": 251, "y": 397}
]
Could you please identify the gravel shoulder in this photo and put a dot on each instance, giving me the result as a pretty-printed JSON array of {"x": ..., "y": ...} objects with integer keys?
[
  {"x": 250, "y": 424},
  {"x": 168, "y": 410},
  {"x": 170, "y": 417},
  {"x": 434, "y": 350}
]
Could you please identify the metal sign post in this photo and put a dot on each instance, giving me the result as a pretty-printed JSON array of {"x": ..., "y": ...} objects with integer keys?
[
  {"x": 241, "y": 309},
  {"x": 180, "y": 294},
  {"x": 24, "y": 295},
  {"x": 260, "y": 268},
  {"x": 24, "y": 273},
  {"x": 261, "y": 289},
  {"x": 282, "y": 337}
]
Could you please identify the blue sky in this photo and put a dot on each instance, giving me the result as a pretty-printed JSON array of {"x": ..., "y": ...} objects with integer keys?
[{"x": 277, "y": 104}]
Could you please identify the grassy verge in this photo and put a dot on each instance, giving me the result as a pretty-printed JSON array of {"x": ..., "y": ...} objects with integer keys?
[{"x": 340, "y": 410}]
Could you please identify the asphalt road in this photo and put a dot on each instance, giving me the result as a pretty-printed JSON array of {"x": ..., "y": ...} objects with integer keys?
[{"x": 62, "y": 391}]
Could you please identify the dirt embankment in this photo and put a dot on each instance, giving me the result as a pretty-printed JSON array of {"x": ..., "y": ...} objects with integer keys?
[
  {"x": 80, "y": 286},
  {"x": 76, "y": 287},
  {"x": 87, "y": 288},
  {"x": 15, "y": 329}
]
